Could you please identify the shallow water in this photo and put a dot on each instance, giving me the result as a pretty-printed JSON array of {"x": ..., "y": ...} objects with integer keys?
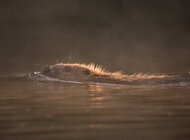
[{"x": 45, "y": 110}]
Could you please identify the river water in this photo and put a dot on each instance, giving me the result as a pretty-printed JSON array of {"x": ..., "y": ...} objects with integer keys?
[{"x": 45, "y": 110}]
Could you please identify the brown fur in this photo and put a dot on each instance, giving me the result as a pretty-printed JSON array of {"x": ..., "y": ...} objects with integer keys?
[{"x": 92, "y": 73}]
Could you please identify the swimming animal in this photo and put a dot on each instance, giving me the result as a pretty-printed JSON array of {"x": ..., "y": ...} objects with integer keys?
[{"x": 92, "y": 73}]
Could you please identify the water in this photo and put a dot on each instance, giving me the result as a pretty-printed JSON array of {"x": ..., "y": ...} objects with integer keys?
[{"x": 45, "y": 110}]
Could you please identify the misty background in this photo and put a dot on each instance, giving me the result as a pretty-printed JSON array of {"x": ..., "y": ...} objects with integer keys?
[{"x": 128, "y": 35}]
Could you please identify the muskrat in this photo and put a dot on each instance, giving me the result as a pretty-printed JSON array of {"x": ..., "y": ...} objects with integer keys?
[{"x": 93, "y": 73}]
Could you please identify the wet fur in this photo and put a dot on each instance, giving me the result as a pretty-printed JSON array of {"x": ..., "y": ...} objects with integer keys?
[{"x": 93, "y": 73}]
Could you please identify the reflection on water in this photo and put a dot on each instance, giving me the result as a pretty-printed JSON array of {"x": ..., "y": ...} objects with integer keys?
[{"x": 54, "y": 110}]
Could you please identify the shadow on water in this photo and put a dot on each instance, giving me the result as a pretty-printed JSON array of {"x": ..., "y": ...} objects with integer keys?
[{"x": 54, "y": 110}]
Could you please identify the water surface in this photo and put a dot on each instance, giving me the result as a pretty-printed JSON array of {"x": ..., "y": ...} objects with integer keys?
[{"x": 45, "y": 110}]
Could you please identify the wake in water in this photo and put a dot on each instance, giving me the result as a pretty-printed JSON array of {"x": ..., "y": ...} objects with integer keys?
[{"x": 81, "y": 73}]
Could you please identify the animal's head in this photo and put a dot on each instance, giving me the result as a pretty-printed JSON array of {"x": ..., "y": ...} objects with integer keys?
[{"x": 68, "y": 72}]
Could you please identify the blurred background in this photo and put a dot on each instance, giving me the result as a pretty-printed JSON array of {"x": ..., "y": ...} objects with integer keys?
[{"x": 128, "y": 35}]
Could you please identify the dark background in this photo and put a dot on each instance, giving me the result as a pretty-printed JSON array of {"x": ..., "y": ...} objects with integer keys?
[{"x": 129, "y": 35}]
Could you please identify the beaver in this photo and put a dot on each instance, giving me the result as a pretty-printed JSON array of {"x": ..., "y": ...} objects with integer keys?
[{"x": 94, "y": 73}]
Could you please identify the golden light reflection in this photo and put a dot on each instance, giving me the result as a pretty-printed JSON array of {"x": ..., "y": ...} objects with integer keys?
[
  {"x": 96, "y": 126},
  {"x": 96, "y": 98},
  {"x": 96, "y": 88}
]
